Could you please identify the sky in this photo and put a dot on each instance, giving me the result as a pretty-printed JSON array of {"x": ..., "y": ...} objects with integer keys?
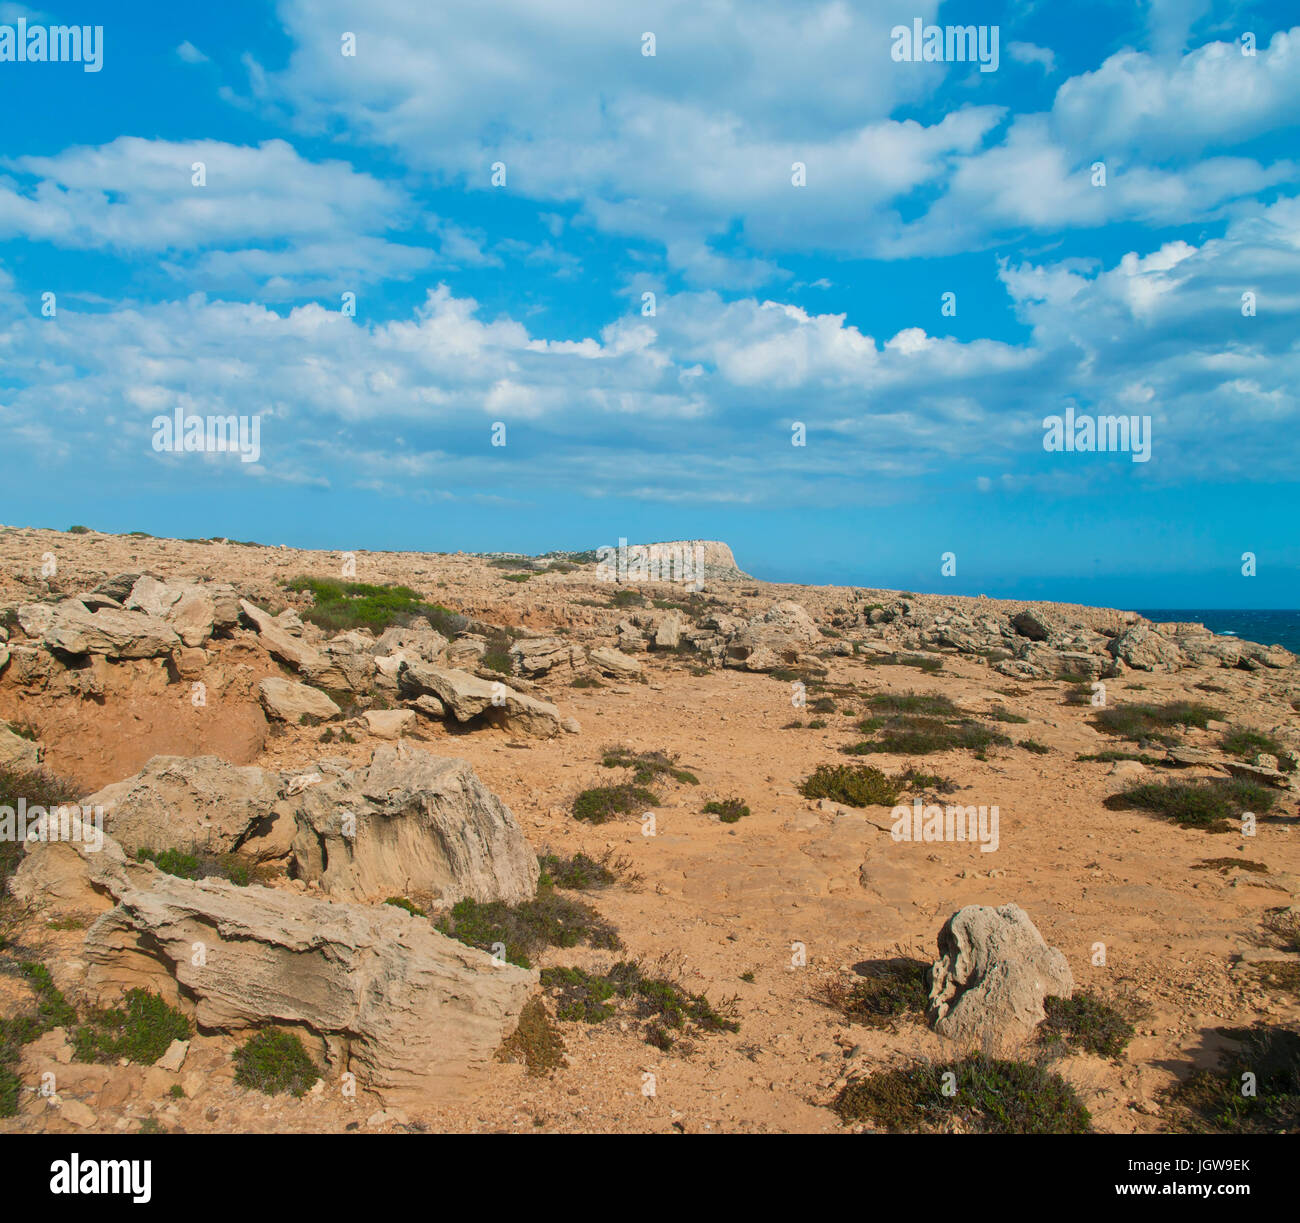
[{"x": 493, "y": 277}]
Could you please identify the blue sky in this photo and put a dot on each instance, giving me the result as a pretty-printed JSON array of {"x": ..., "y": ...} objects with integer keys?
[{"x": 627, "y": 174}]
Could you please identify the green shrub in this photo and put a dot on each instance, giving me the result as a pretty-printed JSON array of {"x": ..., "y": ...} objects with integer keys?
[
  {"x": 992, "y": 1097},
  {"x": 274, "y": 1062},
  {"x": 1000, "y": 714},
  {"x": 855, "y": 785},
  {"x": 1246, "y": 743},
  {"x": 197, "y": 864},
  {"x": 1140, "y": 722},
  {"x": 915, "y": 703},
  {"x": 579, "y": 873},
  {"x": 523, "y": 929},
  {"x": 139, "y": 1031},
  {"x": 728, "y": 810},
  {"x": 1208, "y": 805},
  {"x": 604, "y": 803},
  {"x": 400, "y": 902},
  {"x": 923, "y": 736},
  {"x": 666, "y": 1007},
  {"x": 1032, "y": 745},
  {"x": 78, "y": 530},
  {"x": 1085, "y": 1022}
]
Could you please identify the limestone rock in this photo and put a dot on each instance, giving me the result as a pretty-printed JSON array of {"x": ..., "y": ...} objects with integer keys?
[
  {"x": 1144, "y": 649},
  {"x": 389, "y": 723},
  {"x": 539, "y": 655},
  {"x": 993, "y": 972},
  {"x": 290, "y": 702},
  {"x": 615, "y": 664},
  {"x": 72, "y": 629},
  {"x": 412, "y": 1013},
  {"x": 16, "y": 753},
  {"x": 419, "y": 823},
  {"x": 469, "y": 696},
  {"x": 279, "y": 643},
  {"x": 194, "y": 802}
]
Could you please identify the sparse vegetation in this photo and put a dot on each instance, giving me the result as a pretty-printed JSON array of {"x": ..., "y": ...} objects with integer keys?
[
  {"x": 1154, "y": 722},
  {"x": 992, "y": 1097},
  {"x": 855, "y": 785},
  {"x": 39, "y": 789},
  {"x": 535, "y": 1041},
  {"x": 1207, "y": 805},
  {"x": 1215, "y": 1102},
  {"x": 1000, "y": 714},
  {"x": 670, "y": 1010},
  {"x": 922, "y": 736},
  {"x": 581, "y": 873},
  {"x": 601, "y": 804},
  {"x": 196, "y": 864},
  {"x": 647, "y": 766},
  {"x": 1245, "y": 743},
  {"x": 887, "y": 991},
  {"x": 1085, "y": 1022},
  {"x": 523, "y": 929},
  {"x": 1032, "y": 745},
  {"x": 274, "y": 1062},
  {"x": 140, "y": 1030},
  {"x": 728, "y": 810},
  {"x": 401, "y": 902}
]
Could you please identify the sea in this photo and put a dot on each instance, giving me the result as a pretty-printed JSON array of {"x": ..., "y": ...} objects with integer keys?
[{"x": 1267, "y": 627}]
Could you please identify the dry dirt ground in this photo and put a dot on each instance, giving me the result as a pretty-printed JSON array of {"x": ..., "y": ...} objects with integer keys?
[{"x": 717, "y": 901}]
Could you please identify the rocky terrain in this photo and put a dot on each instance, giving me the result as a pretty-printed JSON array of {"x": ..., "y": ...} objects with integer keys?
[{"x": 490, "y": 843}]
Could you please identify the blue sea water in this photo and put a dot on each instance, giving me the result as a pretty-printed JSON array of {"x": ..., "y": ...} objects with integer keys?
[{"x": 1267, "y": 627}]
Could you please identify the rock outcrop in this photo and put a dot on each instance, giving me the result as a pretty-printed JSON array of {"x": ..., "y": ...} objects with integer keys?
[
  {"x": 414, "y": 1015},
  {"x": 468, "y": 697}
]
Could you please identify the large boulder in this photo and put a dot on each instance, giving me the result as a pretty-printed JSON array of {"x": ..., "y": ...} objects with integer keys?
[
  {"x": 196, "y": 802},
  {"x": 468, "y": 697},
  {"x": 414, "y": 1015},
  {"x": 1029, "y": 624},
  {"x": 71, "y": 628},
  {"x": 410, "y": 823},
  {"x": 290, "y": 702},
  {"x": 993, "y": 972},
  {"x": 772, "y": 638},
  {"x": 346, "y": 663},
  {"x": 1144, "y": 649}
]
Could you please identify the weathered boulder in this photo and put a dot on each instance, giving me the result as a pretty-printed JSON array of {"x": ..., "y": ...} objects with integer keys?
[
  {"x": 278, "y": 642},
  {"x": 196, "y": 802},
  {"x": 1144, "y": 649},
  {"x": 668, "y": 632},
  {"x": 539, "y": 655},
  {"x": 1028, "y": 624},
  {"x": 389, "y": 723},
  {"x": 412, "y": 822},
  {"x": 72, "y": 629},
  {"x": 772, "y": 638},
  {"x": 414, "y": 1015},
  {"x": 345, "y": 663},
  {"x": 16, "y": 753},
  {"x": 291, "y": 702},
  {"x": 993, "y": 972},
  {"x": 614, "y": 663},
  {"x": 469, "y": 696}
]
